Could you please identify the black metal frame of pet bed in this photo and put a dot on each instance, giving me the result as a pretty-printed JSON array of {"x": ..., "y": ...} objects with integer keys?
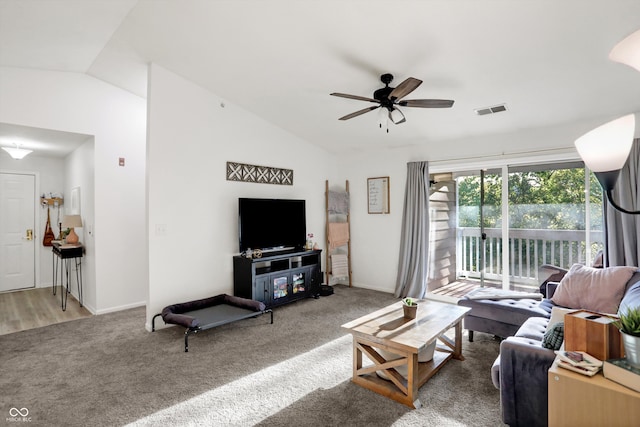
[{"x": 207, "y": 313}]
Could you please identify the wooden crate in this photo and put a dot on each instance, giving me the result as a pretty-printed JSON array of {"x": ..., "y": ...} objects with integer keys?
[{"x": 593, "y": 333}]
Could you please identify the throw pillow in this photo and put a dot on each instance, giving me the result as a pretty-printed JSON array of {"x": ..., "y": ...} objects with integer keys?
[
  {"x": 593, "y": 289},
  {"x": 557, "y": 315},
  {"x": 554, "y": 337}
]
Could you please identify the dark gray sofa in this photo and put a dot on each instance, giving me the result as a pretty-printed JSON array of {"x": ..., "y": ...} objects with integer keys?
[{"x": 520, "y": 371}]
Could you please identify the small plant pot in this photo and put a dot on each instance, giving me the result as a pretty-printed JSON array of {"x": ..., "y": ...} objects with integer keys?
[
  {"x": 410, "y": 311},
  {"x": 631, "y": 345}
]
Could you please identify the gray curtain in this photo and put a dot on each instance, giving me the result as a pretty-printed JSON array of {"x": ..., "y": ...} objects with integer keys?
[
  {"x": 623, "y": 230},
  {"x": 414, "y": 241}
]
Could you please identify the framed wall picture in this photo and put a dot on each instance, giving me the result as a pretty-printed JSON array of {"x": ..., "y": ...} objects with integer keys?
[
  {"x": 378, "y": 195},
  {"x": 74, "y": 206}
]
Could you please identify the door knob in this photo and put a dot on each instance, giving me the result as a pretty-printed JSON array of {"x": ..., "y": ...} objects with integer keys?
[{"x": 29, "y": 234}]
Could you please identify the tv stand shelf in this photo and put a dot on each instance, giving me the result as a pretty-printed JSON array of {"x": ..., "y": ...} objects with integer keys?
[{"x": 278, "y": 277}]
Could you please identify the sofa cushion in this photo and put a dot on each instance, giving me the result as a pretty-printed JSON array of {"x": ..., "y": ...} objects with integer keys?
[
  {"x": 533, "y": 329},
  {"x": 593, "y": 289}
]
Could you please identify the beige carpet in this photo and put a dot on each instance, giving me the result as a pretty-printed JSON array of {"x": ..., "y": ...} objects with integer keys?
[{"x": 107, "y": 370}]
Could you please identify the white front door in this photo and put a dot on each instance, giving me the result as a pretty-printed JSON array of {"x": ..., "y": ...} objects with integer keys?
[{"x": 17, "y": 242}]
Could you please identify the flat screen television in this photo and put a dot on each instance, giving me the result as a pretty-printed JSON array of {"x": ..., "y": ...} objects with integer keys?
[{"x": 268, "y": 224}]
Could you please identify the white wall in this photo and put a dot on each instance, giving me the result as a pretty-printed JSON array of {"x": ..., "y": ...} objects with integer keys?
[
  {"x": 191, "y": 137},
  {"x": 79, "y": 172},
  {"x": 49, "y": 174},
  {"x": 78, "y": 103},
  {"x": 376, "y": 238}
]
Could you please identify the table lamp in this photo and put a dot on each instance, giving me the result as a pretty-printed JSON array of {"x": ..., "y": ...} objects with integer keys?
[{"x": 70, "y": 222}]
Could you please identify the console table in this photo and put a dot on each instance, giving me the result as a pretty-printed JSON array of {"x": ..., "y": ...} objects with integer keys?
[{"x": 62, "y": 256}]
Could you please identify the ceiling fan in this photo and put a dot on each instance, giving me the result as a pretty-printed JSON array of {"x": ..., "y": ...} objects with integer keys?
[{"x": 390, "y": 98}]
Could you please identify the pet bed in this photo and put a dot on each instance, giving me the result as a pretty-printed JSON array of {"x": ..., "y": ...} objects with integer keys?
[{"x": 207, "y": 313}]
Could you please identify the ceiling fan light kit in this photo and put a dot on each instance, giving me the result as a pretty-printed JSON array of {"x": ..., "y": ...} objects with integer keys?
[
  {"x": 389, "y": 98},
  {"x": 396, "y": 116}
]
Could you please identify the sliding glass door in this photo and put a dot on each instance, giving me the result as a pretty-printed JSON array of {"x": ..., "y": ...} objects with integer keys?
[
  {"x": 508, "y": 221},
  {"x": 550, "y": 217},
  {"x": 479, "y": 225}
]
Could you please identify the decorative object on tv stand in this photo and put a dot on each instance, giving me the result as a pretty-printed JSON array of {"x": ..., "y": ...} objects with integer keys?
[
  {"x": 252, "y": 253},
  {"x": 71, "y": 222},
  {"x": 16, "y": 152},
  {"x": 261, "y": 174},
  {"x": 409, "y": 308},
  {"x": 629, "y": 325}
]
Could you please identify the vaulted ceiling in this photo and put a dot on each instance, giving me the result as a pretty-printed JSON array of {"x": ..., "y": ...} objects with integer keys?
[{"x": 546, "y": 60}]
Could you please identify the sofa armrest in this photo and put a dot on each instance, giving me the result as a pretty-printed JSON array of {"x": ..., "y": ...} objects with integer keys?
[
  {"x": 524, "y": 364},
  {"x": 549, "y": 273},
  {"x": 551, "y": 289}
]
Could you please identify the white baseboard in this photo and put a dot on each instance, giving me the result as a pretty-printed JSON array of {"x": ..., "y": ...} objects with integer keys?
[
  {"x": 90, "y": 308},
  {"x": 372, "y": 288},
  {"x": 122, "y": 307}
]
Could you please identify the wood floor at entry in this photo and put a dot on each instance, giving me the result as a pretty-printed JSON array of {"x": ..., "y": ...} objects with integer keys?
[{"x": 34, "y": 308}]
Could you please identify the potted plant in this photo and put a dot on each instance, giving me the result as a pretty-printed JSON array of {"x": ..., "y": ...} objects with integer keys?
[
  {"x": 629, "y": 325},
  {"x": 410, "y": 307}
]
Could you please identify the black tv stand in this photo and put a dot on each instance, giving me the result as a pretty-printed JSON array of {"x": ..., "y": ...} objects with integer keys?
[{"x": 278, "y": 277}]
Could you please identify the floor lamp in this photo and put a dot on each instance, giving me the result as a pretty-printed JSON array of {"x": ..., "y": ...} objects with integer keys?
[{"x": 605, "y": 150}]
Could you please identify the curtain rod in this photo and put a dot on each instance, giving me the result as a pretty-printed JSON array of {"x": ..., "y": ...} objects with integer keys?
[
  {"x": 494, "y": 160},
  {"x": 508, "y": 155}
]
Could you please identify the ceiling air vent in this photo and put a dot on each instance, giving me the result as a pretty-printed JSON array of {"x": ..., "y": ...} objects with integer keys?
[{"x": 490, "y": 110}]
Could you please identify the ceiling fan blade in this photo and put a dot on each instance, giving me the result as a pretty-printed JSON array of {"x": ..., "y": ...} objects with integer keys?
[
  {"x": 404, "y": 88},
  {"x": 427, "y": 103},
  {"x": 360, "y": 98},
  {"x": 396, "y": 116},
  {"x": 359, "y": 113}
]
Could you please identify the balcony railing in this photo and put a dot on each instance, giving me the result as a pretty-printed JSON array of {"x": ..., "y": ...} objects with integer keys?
[{"x": 528, "y": 250}]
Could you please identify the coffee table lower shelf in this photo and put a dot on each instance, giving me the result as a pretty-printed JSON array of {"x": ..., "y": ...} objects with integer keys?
[{"x": 401, "y": 389}]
